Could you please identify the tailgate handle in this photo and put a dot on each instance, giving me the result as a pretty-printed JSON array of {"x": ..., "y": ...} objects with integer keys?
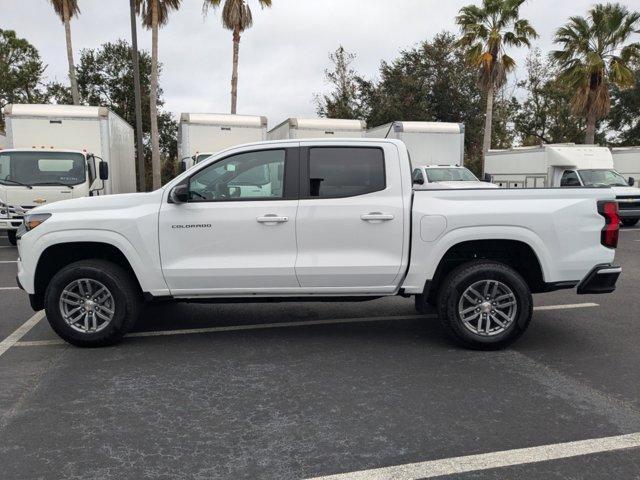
[
  {"x": 376, "y": 217},
  {"x": 271, "y": 218}
]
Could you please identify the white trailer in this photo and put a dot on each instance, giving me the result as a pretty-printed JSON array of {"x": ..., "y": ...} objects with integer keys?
[
  {"x": 564, "y": 165},
  {"x": 429, "y": 143},
  {"x": 293, "y": 128},
  {"x": 56, "y": 152},
  {"x": 200, "y": 135},
  {"x": 626, "y": 161}
]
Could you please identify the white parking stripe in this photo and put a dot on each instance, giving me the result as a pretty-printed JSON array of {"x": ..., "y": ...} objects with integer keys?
[
  {"x": 9, "y": 288},
  {"x": 9, "y": 261},
  {"x": 304, "y": 323},
  {"x": 486, "y": 461},
  {"x": 22, "y": 330}
]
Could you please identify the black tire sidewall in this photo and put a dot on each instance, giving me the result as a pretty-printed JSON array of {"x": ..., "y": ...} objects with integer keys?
[
  {"x": 463, "y": 277},
  {"x": 11, "y": 235},
  {"x": 630, "y": 222},
  {"x": 112, "y": 277}
]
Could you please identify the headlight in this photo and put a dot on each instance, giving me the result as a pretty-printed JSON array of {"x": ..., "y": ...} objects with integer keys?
[{"x": 32, "y": 220}]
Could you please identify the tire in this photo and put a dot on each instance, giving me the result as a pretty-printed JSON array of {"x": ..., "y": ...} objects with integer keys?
[
  {"x": 476, "y": 332},
  {"x": 11, "y": 235},
  {"x": 111, "y": 285},
  {"x": 630, "y": 222}
]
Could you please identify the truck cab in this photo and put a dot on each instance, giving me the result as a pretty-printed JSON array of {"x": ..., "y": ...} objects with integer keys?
[
  {"x": 34, "y": 177},
  {"x": 446, "y": 176}
]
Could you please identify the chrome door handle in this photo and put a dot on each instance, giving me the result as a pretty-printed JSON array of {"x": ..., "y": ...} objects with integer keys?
[
  {"x": 272, "y": 218},
  {"x": 376, "y": 217}
]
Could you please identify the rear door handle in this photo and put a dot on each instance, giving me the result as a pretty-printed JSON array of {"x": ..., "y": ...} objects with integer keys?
[
  {"x": 376, "y": 217},
  {"x": 272, "y": 218}
]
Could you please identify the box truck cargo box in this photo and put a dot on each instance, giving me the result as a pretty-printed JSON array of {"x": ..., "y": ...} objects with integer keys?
[
  {"x": 202, "y": 134},
  {"x": 293, "y": 128},
  {"x": 429, "y": 143},
  {"x": 626, "y": 161}
]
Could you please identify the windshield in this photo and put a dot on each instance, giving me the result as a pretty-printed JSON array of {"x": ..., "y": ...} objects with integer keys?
[
  {"x": 610, "y": 178},
  {"x": 450, "y": 175},
  {"x": 42, "y": 168}
]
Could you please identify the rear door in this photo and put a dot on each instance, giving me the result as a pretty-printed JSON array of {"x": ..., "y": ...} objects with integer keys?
[{"x": 350, "y": 222}]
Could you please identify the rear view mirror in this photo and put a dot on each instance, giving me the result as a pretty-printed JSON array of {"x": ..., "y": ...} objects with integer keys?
[
  {"x": 179, "y": 194},
  {"x": 103, "y": 170},
  {"x": 631, "y": 181},
  {"x": 488, "y": 178}
]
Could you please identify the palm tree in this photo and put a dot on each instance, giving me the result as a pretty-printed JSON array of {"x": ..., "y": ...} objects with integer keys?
[
  {"x": 66, "y": 9},
  {"x": 486, "y": 31},
  {"x": 236, "y": 16},
  {"x": 155, "y": 13},
  {"x": 594, "y": 57}
]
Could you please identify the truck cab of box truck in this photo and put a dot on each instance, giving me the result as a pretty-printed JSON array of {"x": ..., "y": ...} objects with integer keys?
[{"x": 34, "y": 177}]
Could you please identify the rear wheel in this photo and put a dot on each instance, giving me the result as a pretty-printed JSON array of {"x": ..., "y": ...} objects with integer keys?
[
  {"x": 485, "y": 305},
  {"x": 11, "y": 235},
  {"x": 630, "y": 222},
  {"x": 92, "y": 303}
]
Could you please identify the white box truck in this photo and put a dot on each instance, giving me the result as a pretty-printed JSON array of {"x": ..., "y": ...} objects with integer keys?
[
  {"x": 564, "y": 165},
  {"x": 626, "y": 161},
  {"x": 293, "y": 128},
  {"x": 57, "y": 152},
  {"x": 429, "y": 143},
  {"x": 200, "y": 135}
]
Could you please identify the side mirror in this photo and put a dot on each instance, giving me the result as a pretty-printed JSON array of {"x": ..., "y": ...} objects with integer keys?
[
  {"x": 179, "y": 194},
  {"x": 632, "y": 181},
  {"x": 487, "y": 178},
  {"x": 418, "y": 181},
  {"x": 183, "y": 166},
  {"x": 103, "y": 170}
]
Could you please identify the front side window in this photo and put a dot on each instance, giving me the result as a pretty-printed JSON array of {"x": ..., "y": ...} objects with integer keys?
[
  {"x": 251, "y": 176},
  {"x": 570, "y": 179},
  {"x": 450, "y": 175},
  {"x": 42, "y": 168},
  {"x": 345, "y": 171},
  {"x": 595, "y": 178}
]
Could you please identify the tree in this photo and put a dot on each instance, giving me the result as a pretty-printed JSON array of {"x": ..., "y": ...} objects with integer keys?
[
  {"x": 342, "y": 101},
  {"x": 486, "y": 31},
  {"x": 624, "y": 118},
  {"x": 155, "y": 13},
  {"x": 544, "y": 115},
  {"x": 66, "y": 10},
  {"x": 105, "y": 77},
  {"x": 21, "y": 71},
  {"x": 595, "y": 55},
  {"x": 236, "y": 16}
]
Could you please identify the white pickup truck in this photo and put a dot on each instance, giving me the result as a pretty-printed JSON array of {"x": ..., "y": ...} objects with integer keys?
[{"x": 316, "y": 220}]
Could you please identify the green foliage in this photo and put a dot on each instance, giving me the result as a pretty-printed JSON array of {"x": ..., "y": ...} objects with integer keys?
[
  {"x": 21, "y": 71},
  {"x": 236, "y": 14},
  {"x": 624, "y": 118},
  {"x": 342, "y": 101}
]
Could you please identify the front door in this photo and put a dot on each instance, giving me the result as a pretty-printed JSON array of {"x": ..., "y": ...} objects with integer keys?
[
  {"x": 350, "y": 222},
  {"x": 236, "y": 234}
]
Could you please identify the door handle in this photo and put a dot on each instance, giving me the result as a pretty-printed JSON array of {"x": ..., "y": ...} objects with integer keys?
[
  {"x": 272, "y": 218},
  {"x": 376, "y": 217}
]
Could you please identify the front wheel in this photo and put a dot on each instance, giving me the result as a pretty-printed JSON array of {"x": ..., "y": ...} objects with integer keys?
[
  {"x": 11, "y": 235},
  {"x": 485, "y": 305},
  {"x": 92, "y": 303},
  {"x": 630, "y": 222}
]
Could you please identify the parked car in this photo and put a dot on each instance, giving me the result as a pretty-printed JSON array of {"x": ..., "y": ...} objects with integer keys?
[
  {"x": 330, "y": 219},
  {"x": 446, "y": 176}
]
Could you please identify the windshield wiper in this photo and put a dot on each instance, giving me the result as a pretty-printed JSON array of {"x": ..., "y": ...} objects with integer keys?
[
  {"x": 16, "y": 183},
  {"x": 54, "y": 183}
]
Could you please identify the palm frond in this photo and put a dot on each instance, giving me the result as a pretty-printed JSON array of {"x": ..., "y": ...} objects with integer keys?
[{"x": 72, "y": 6}]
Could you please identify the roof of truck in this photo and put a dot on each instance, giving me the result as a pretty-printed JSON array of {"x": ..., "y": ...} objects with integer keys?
[
  {"x": 224, "y": 119},
  {"x": 46, "y": 110},
  {"x": 423, "y": 127},
  {"x": 324, "y": 123}
]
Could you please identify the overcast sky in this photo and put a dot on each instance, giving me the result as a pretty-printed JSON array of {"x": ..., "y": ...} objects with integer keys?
[{"x": 282, "y": 58}]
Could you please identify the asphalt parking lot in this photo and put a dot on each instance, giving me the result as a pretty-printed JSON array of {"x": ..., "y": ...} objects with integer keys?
[{"x": 366, "y": 390}]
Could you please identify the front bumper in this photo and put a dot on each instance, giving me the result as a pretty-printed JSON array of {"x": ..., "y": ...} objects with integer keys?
[{"x": 601, "y": 279}]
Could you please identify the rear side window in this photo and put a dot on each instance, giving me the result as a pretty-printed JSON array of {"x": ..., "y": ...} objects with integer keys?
[{"x": 345, "y": 171}]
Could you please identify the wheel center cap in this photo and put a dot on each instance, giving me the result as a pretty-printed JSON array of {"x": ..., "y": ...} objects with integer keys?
[
  {"x": 88, "y": 305},
  {"x": 486, "y": 307}
]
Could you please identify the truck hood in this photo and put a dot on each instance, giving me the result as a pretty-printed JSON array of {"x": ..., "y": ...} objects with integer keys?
[
  {"x": 40, "y": 195},
  {"x": 626, "y": 191},
  {"x": 103, "y": 202}
]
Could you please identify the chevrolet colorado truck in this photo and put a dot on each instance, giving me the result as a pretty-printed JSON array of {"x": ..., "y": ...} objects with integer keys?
[{"x": 333, "y": 219}]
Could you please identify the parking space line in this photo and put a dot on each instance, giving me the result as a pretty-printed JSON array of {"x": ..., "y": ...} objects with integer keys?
[
  {"x": 486, "y": 461},
  {"x": 20, "y": 332},
  {"x": 8, "y": 261},
  {"x": 303, "y": 323},
  {"x": 9, "y": 288}
]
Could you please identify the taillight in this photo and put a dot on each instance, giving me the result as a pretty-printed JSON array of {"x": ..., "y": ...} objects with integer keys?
[{"x": 611, "y": 231}]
